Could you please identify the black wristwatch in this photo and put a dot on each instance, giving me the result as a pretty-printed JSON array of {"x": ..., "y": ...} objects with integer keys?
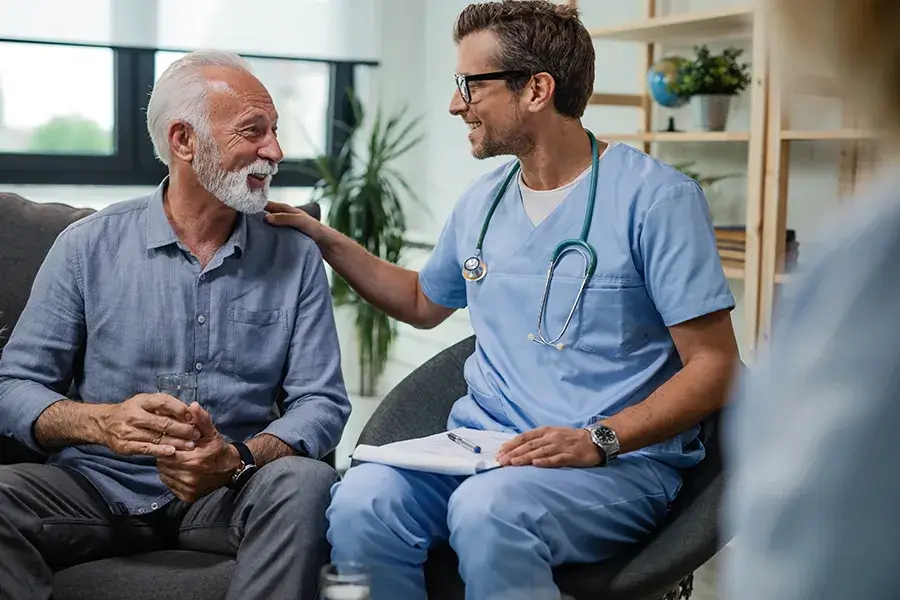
[{"x": 242, "y": 474}]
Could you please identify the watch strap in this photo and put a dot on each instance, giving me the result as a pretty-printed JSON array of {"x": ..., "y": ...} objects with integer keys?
[
  {"x": 248, "y": 466},
  {"x": 244, "y": 453}
]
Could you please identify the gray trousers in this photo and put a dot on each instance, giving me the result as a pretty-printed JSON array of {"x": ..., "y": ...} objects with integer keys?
[{"x": 52, "y": 518}]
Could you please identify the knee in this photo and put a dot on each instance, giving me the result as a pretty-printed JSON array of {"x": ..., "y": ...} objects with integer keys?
[
  {"x": 484, "y": 508},
  {"x": 364, "y": 505},
  {"x": 303, "y": 480},
  {"x": 356, "y": 496}
]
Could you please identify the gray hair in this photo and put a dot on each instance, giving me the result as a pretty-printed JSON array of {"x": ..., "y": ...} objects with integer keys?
[{"x": 180, "y": 94}]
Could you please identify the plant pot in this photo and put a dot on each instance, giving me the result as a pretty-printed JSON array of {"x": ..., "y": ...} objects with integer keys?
[{"x": 710, "y": 112}]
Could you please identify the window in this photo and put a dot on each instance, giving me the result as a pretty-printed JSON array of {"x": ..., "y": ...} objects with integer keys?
[
  {"x": 56, "y": 100},
  {"x": 300, "y": 91},
  {"x": 75, "y": 114}
]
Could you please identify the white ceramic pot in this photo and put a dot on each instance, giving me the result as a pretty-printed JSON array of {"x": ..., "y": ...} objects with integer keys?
[{"x": 710, "y": 112}]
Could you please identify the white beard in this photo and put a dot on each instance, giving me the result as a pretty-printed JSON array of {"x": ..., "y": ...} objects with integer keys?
[{"x": 231, "y": 187}]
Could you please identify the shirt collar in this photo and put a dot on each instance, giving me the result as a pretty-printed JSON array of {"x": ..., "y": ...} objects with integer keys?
[{"x": 160, "y": 232}]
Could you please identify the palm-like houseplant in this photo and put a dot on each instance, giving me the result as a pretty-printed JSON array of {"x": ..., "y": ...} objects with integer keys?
[{"x": 364, "y": 194}]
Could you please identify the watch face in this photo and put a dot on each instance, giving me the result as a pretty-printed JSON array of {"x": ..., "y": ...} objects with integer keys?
[{"x": 606, "y": 436}]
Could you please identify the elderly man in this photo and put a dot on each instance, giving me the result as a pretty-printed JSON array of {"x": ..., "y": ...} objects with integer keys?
[{"x": 186, "y": 280}]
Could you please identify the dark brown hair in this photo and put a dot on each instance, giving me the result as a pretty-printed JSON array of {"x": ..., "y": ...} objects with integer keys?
[{"x": 538, "y": 36}]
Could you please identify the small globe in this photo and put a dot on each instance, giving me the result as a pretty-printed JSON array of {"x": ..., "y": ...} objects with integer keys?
[{"x": 661, "y": 74}]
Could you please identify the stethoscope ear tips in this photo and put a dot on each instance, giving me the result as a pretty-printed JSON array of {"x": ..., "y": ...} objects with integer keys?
[
  {"x": 560, "y": 346},
  {"x": 531, "y": 336}
]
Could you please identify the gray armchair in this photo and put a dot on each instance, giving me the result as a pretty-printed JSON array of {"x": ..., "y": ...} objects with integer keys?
[
  {"x": 27, "y": 230},
  {"x": 660, "y": 568}
]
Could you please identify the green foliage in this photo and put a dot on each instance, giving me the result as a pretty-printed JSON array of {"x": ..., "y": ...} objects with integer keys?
[
  {"x": 70, "y": 135},
  {"x": 363, "y": 195},
  {"x": 712, "y": 74},
  {"x": 704, "y": 181}
]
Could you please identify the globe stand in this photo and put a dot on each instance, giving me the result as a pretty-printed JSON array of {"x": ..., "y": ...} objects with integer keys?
[{"x": 671, "y": 128}]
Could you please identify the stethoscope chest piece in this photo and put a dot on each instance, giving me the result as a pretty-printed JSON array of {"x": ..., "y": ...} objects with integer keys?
[{"x": 474, "y": 269}]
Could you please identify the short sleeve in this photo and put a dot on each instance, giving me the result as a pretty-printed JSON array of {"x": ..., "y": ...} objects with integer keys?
[
  {"x": 681, "y": 264},
  {"x": 441, "y": 277}
]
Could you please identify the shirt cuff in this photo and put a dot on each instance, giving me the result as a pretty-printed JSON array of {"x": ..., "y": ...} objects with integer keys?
[
  {"x": 26, "y": 401},
  {"x": 306, "y": 436}
]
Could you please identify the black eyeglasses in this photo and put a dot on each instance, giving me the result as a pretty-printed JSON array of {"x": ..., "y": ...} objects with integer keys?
[{"x": 462, "y": 81}]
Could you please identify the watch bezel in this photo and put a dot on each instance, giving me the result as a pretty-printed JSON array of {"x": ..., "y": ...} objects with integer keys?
[{"x": 610, "y": 447}]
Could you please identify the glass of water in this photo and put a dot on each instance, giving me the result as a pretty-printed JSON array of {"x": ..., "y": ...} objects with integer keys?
[
  {"x": 348, "y": 581},
  {"x": 178, "y": 385}
]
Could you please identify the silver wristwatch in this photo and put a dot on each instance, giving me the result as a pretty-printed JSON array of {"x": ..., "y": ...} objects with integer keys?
[{"x": 605, "y": 439}]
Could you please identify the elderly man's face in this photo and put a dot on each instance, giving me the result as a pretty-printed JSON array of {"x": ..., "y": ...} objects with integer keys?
[{"x": 238, "y": 163}]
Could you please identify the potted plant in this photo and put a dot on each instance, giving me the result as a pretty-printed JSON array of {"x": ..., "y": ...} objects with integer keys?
[
  {"x": 710, "y": 80},
  {"x": 362, "y": 193}
]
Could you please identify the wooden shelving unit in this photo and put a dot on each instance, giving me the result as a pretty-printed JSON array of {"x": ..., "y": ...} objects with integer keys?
[
  {"x": 769, "y": 139},
  {"x": 731, "y": 23},
  {"x": 853, "y": 140}
]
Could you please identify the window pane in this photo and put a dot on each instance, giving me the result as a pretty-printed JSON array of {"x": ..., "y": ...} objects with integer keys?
[
  {"x": 300, "y": 91},
  {"x": 56, "y": 99}
]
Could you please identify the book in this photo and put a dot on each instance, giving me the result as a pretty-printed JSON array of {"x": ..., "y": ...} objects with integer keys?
[{"x": 438, "y": 453}]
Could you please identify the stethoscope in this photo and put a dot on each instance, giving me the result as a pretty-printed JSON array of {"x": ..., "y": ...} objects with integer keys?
[{"x": 474, "y": 268}]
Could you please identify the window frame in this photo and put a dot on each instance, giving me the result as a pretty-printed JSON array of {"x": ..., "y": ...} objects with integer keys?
[{"x": 134, "y": 163}]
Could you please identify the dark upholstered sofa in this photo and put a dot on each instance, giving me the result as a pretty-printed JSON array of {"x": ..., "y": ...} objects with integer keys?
[{"x": 27, "y": 230}]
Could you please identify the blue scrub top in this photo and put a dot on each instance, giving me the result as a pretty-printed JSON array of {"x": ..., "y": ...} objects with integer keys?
[{"x": 657, "y": 266}]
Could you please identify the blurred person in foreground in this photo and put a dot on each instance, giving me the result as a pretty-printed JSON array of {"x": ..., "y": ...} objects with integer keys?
[
  {"x": 813, "y": 491},
  {"x": 188, "y": 279}
]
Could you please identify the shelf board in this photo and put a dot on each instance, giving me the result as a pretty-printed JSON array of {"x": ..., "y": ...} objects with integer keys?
[
  {"x": 601, "y": 99},
  {"x": 678, "y": 136},
  {"x": 707, "y": 25},
  {"x": 733, "y": 272},
  {"x": 826, "y": 134}
]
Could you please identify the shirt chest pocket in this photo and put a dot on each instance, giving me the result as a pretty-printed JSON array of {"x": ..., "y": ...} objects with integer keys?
[
  {"x": 616, "y": 321},
  {"x": 257, "y": 343}
]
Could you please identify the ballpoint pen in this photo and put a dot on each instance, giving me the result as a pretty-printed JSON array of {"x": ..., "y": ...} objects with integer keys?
[{"x": 464, "y": 442}]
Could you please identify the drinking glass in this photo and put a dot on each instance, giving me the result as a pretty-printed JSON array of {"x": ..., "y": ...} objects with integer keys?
[
  {"x": 350, "y": 581},
  {"x": 178, "y": 385}
]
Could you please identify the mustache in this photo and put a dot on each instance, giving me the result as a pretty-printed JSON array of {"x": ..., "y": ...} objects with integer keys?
[{"x": 260, "y": 167}]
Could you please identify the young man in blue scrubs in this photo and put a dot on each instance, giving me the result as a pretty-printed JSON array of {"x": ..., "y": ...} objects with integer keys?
[{"x": 607, "y": 414}]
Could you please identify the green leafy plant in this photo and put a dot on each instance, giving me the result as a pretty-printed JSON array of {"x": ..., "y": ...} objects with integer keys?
[
  {"x": 703, "y": 180},
  {"x": 362, "y": 192},
  {"x": 710, "y": 74}
]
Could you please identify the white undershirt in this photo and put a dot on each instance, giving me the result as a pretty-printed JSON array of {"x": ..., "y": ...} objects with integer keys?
[{"x": 540, "y": 203}]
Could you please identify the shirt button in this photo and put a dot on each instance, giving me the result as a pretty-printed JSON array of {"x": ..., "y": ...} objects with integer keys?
[
  {"x": 199, "y": 366},
  {"x": 154, "y": 506},
  {"x": 201, "y": 319}
]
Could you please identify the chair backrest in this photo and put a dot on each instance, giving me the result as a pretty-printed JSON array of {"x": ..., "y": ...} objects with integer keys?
[{"x": 27, "y": 230}]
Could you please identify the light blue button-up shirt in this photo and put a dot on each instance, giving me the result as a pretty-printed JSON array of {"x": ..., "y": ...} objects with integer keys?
[{"x": 120, "y": 300}]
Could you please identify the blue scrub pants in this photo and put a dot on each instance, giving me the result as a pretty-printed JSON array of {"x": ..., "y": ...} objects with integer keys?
[{"x": 508, "y": 526}]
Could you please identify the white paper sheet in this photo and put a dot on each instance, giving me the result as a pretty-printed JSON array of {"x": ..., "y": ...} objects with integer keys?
[{"x": 438, "y": 453}]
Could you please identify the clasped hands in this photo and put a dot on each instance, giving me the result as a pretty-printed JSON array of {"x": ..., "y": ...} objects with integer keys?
[
  {"x": 551, "y": 447},
  {"x": 193, "y": 459}
]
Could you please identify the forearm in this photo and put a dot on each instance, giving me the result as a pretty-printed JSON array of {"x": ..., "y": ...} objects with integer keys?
[
  {"x": 267, "y": 448},
  {"x": 391, "y": 289},
  {"x": 697, "y": 391},
  {"x": 68, "y": 423}
]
